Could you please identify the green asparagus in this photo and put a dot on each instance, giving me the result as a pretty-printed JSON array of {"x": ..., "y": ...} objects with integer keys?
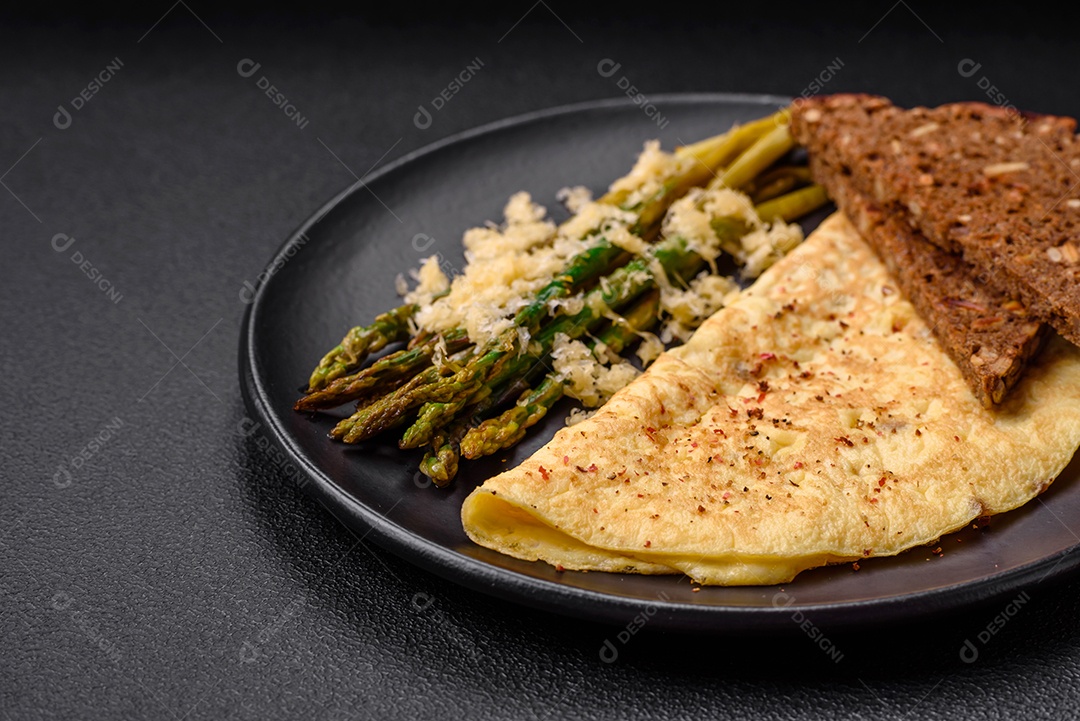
[
  {"x": 390, "y": 327},
  {"x": 387, "y": 372},
  {"x": 494, "y": 434}
]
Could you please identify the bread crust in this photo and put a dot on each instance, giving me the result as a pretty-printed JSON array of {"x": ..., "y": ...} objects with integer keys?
[
  {"x": 989, "y": 335},
  {"x": 999, "y": 187}
]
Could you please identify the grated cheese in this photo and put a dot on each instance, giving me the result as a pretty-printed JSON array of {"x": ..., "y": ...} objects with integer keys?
[
  {"x": 650, "y": 348},
  {"x": 691, "y": 218},
  {"x": 763, "y": 247},
  {"x": 595, "y": 217},
  {"x": 707, "y": 294},
  {"x": 574, "y": 198},
  {"x": 586, "y": 377},
  {"x": 650, "y": 172},
  {"x": 505, "y": 265},
  {"x": 438, "y": 358},
  {"x": 621, "y": 237},
  {"x": 577, "y": 415},
  {"x": 571, "y": 305},
  {"x": 431, "y": 280}
]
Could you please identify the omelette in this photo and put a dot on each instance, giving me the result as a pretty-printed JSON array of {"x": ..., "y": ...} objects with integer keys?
[{"x": 813, "y": 420}]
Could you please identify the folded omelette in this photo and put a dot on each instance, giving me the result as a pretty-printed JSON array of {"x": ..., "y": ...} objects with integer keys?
[{"x": 814, "y": 420}]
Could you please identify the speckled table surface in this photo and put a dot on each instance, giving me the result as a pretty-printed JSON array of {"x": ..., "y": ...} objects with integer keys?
[{"x": 154, "y": 563}]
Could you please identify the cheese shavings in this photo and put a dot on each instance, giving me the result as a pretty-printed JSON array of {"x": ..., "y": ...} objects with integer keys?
[
  {"x": 577, "y": 415},
  {"x": 504, "y": 266},
  {"x": 593, "y": 218},
  {"x": 649, "y": 349},
  {"x": 621, "y": 237},
  {"x": 761, "y": 248},
  {"x": 574, "y": 198},
  {"x": 507, "y": 264},
  {"x": 696, "y": 218},
  {"x": 687, "y": 309},
  {"x": 586, "y": 378},
  {"x": 692, "y": 216},
  {"x": 652, "y": 169}
]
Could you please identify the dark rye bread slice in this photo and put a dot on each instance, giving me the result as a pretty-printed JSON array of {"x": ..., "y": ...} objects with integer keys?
[
  {"x": 988, "y": 335},
  {"x": 999, "y": 187}
]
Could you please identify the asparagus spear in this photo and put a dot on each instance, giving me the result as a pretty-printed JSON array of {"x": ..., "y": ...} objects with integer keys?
[
  {"x": 764, "y": 152},
  {"x": 433, "y": 416},
  {"x": 708, "y": 155},
  {"x": 440, "y": 462},
  {"x": 389, "y": 327},
  {"x": 387, "y": 372},
  {"x": 494, "y": 434},
  {"x": 778, "y": 181},
  {"x": 793, "y": 205},
  {"x": 738, "y": 140}
]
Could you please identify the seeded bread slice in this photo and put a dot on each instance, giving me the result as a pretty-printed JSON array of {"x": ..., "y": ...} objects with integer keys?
[
  {"x": 999, "y": 187},
  {"x": 988, "y": 335}
]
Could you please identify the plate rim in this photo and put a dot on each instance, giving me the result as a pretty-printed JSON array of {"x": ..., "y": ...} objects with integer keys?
[{"x": 543, "y": 594}]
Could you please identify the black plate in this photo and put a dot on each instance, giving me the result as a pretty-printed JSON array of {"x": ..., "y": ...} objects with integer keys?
[{"x": 339, "y": 269}]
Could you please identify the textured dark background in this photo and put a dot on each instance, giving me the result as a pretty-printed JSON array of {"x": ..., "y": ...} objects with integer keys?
[{"x": 153, "y": 564}]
